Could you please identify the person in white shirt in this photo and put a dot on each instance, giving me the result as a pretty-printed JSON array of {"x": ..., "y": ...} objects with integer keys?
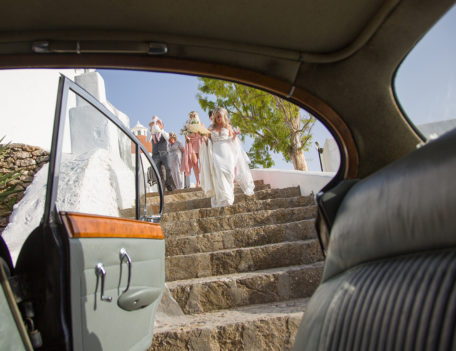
[{"x": 159, "y": 139}]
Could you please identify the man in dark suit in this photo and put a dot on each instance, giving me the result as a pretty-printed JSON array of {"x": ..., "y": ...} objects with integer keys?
[{"x": 159, "y": 139}]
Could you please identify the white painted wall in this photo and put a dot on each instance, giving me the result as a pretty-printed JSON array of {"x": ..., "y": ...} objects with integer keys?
[
  {"x": 94, "y": 84},
  {"x": 27, "y": 104},
  {"x": 309, "y": 182}
]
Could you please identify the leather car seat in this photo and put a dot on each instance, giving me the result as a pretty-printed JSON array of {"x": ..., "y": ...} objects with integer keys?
[{"x": 389, "y": 281}]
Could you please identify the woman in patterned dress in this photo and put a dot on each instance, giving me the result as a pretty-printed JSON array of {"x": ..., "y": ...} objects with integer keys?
[
  {"x": 193, "y": 132},
  {"x": 175, "y": 152}
]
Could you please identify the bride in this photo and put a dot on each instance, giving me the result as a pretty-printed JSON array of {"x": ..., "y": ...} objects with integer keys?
[{"x": 221, "y": 158}]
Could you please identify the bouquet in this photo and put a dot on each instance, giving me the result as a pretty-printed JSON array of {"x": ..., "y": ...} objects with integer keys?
[{"x": 194, "y": 127}]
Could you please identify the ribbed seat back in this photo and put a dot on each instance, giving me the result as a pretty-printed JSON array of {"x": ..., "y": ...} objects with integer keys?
[
  {"x": 390, "y": 273},
  {"x": 405, "y": 303}
]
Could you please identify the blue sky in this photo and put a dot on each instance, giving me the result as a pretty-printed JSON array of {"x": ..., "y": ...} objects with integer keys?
[
  {"x": 425, "y": 85},
  {"x": 426, "y": 82}
]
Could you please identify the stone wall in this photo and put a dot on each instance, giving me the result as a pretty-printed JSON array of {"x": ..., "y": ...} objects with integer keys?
[{"x": 27, "y": 160}]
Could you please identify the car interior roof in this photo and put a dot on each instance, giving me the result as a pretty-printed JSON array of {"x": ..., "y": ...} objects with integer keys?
[{"x": 337, "y": 59}]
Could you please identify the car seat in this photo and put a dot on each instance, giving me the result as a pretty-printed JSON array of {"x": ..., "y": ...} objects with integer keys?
[{"x": 389, "y": 281}]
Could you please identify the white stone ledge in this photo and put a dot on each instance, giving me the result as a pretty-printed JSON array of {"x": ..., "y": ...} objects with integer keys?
[{"x": 309, "y": 182}]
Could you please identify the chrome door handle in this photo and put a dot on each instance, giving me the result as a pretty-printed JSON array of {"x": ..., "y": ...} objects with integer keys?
[
  {"x": 101, "y": 273},
  {"x": 123, "y": 255}
]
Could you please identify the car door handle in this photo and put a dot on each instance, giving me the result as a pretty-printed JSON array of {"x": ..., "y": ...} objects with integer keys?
[
  {"x": 138, "y": 297},
  {"x": 123, "y": 256},
  {"x": 101, "y": 273}
]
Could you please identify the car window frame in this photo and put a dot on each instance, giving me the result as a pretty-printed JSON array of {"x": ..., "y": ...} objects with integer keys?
[{"x": 64, "y": 87}]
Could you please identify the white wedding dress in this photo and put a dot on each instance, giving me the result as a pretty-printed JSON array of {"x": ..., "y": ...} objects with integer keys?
[
  {"x": 243, "y": 175},
  {"x": 221, "y": 161}
]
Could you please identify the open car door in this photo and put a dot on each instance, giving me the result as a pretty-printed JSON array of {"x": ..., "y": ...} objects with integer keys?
[{"x": 94, "y": 269}]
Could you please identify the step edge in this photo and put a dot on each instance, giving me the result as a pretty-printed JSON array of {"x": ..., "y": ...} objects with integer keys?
[
  {"x": 182, "y": 237},
  {"x": 243, "y": 275},
  {"x": 293, "y": 198},
  {"x": 282, "y": 243},
  {"x": 258, "y": 211},
  {"x": 241, "y": 314}
]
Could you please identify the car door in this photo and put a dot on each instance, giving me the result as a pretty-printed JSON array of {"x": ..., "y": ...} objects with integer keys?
[{"x": 96, "y": 263}]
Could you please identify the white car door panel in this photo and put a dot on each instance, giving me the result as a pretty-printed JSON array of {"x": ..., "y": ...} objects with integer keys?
[{"x": 99, "y": 322}]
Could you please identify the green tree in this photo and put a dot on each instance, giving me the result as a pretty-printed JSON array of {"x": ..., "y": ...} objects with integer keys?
[{"x": 274, "y": 124}]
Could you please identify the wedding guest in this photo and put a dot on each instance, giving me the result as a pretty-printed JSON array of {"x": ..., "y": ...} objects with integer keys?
[
  {"x": 211, "y": 118},
  {"x": 159, "y": 139},
  {"x": 175, "y": 152},
  {"x": 193, "y": 132}
]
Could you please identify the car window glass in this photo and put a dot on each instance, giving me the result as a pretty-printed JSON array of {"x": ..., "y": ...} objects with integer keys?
[
  {"x": 149, "y": 201},
  {"x": 425, "y": 83},
  {"x": 97, "y": 170}
]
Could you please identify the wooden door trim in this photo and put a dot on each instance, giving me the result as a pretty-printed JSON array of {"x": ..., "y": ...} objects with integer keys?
[{"x": 81, "y": 225}]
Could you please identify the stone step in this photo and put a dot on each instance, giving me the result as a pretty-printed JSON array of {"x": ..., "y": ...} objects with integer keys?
[
  {"x": 240, "y": 220},
  {"x": 271, "y": 326},
  {"x": 240, "y": 207},
  {"x": 205, "y": 202},
  {"x": 198, "y": 199},
  {"x": 243, "y": 237},
  {"x": 242, "y": 259},
  {"x": 173, "y": 196},
  {"x": 258, "y": 195},
  {"x": 189, "y": 190},
  {"x": 224, "y": 292}
]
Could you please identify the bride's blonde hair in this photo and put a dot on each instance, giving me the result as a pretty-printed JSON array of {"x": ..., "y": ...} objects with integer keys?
[{"x": 224, "y": 113}]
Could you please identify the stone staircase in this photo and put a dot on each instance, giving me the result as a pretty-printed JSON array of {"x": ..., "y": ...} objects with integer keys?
[{"x": 241, "y": 275}]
